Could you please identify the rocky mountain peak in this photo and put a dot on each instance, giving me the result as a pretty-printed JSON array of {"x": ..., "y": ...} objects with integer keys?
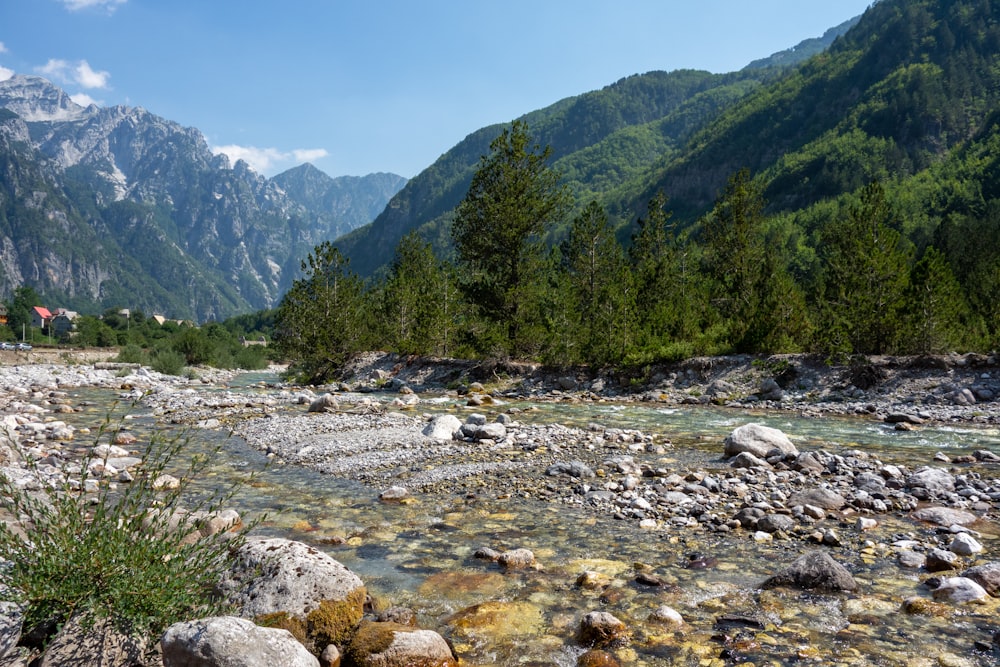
[{"x": 37, "y": 100}]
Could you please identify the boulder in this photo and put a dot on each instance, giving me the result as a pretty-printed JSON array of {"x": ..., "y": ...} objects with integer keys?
[
  {"x": 287, "y": 584},
  {"x": 394, "y": 494},
  {"x": 956, "y": 589},
  {"x": 987, "y": 576},
  {"x": 229, "y": 641},
  {"x": 666, "y": 615},
  {"x": 815, "y": 570},
  {"x": 599, "y": 629},
  {"x": 11, "y": 617},
  {"x": 81, "y": 643},
  {"x": 758, "y": 440},
  {"x": 965, "y": 545},
  {"x": 944, "y": 516},
  {"x": 939, "y": 560},
  {"x": 748, "y": 460},
  {"x": 597, "y": 658},
  {"x": 443, "y": 427},
  {"x": 935, "y": 481},
  {"x": 324, "y": 403},
  {"x": 772, "y": 523},
  {"x": 818, "y": 497},
  {"x": 392, "y": 645},
  {"x": 571, "y": 468},
  {"x": 516, "y": 559}
]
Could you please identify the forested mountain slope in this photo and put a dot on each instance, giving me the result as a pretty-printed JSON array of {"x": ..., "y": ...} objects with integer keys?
[{"x": 602, "y": 141}]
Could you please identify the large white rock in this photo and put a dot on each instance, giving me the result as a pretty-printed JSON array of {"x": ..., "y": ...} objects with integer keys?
[
  {"x": 271, "y": 575},
  {"x": 959, "y": 589},
  {"x": 758, "y": 440},
  {"x": 443, "y": 427},
  {"x": 229, "y": 641}
]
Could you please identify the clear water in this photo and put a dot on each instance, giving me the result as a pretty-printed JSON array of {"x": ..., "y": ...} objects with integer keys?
[{"x": 420, "y": 555}]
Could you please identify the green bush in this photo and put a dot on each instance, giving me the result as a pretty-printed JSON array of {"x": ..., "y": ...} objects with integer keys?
[
  {"x": 129, "y": 553},
  {"x": 132, "y": 354},
  {"x": 251, "y": 358},
  {"x": 167, "y": 362}
]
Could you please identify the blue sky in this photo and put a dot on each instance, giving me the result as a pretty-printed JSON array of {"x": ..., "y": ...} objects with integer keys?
[{"x": 357, "y": 87}]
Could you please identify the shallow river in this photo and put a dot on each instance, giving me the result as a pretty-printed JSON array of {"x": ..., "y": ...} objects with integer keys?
[{"x": 420, "y": 555}]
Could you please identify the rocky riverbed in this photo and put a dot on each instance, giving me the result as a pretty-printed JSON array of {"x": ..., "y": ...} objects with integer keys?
[{"x": 878, "y": 537}]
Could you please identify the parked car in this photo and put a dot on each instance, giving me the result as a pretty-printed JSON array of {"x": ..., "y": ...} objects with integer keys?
[
  {"x": 6, "y": 346},
  {"x": 22, "y": 347}
]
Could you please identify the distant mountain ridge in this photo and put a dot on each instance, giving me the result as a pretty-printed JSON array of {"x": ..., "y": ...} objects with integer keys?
[
  {"x": 169, "y": 227},
  {"x": 604, "y": 142}
]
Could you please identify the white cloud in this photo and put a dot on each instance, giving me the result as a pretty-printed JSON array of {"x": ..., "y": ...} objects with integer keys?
[
  {"x": 5, "y": 73},
  {"x": 82, "y": 74},
  {"x": 75, "y": 5},
  {"x": 269, "y": 160},
  {"x": 55, "y": 70},
  {"x": 88, "y": 78},
  {"x": 3, "y": 48},
  {"x": 84, "y": 100},
  {"x": 309, "y": 154}
]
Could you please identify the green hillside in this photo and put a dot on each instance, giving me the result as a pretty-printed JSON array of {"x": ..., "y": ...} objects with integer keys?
[{"x": 848, "y": 204}]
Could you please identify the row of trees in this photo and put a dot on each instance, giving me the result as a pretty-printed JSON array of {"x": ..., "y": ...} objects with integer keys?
[{"x": 724, "y": 285}]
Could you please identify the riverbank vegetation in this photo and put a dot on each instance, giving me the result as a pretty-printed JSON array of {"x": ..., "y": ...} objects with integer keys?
[
  {"x": 734, "y": 282},
  {"x": 138, "y": 553},
  {"x": 167, "y": 346}
]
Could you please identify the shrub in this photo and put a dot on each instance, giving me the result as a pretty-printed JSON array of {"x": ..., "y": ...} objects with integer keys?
[
  {"x": 167, "y": 362},
  {"x": 132, "y": 354},
  {"x": 129, "y": 554}
]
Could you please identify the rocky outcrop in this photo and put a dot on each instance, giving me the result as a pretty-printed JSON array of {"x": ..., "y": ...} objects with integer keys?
[
  {"x": 227, "y": 235},
  {"x": 383, "y": 644}
]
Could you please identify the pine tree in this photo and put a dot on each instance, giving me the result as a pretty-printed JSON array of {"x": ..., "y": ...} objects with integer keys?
[
  {"x": 866, "y": 273},
  {"x": 597, "y": 273},
  {"x": 513, "y": 200},
  {"x": 937, "y": 311},
  {"x": 321, "y": 319},
  {"x": 763, "y": 307},
  {"x": 417, "y": 301}
]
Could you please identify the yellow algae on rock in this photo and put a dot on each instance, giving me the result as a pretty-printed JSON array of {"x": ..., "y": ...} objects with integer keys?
[
  {"x": 495, "y": 619},
  {"x": 455, "y": 585}
]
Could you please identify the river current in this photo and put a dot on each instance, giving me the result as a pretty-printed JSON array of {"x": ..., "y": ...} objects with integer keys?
[{"x": 420, "y": 554}]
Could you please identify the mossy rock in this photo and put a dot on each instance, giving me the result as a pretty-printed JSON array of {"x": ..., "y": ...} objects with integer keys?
[
  {"x": 285, "y": 621},
  {"x": 334, "y": 621},
  {"x": 394, "y": 645}
]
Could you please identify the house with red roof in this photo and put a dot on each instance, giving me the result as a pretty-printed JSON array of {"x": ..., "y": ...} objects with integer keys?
[{"x": 40, "y": 317}]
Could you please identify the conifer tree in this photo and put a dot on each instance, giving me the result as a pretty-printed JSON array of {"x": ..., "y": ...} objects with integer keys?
[
  {"x": 320, "y": 321},
  {"x": 866, "y": 273},
  {"x": 513, "y": 200},
  {"x": 938, "y": 313},
  {"x": 417, "y": 301},
  {"x": 595, "y": 263},
  {"x": 752, "y": 289}
]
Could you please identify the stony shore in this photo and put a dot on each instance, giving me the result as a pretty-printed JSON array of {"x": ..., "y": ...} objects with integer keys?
[{"x": 936, "y": 518}]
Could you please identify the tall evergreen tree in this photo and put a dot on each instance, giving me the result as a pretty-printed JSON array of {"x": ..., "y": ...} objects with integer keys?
[
  {"x": 937, "y": 312},
  {"x": 751, "y": 284},
  {"x": 513, "y": 200},
  {"x": 598, "y": 275},
  {"x": 320, "y": 321},
  {"x": 417, "y": 301},
  {"x": 866, "y": 273}
]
